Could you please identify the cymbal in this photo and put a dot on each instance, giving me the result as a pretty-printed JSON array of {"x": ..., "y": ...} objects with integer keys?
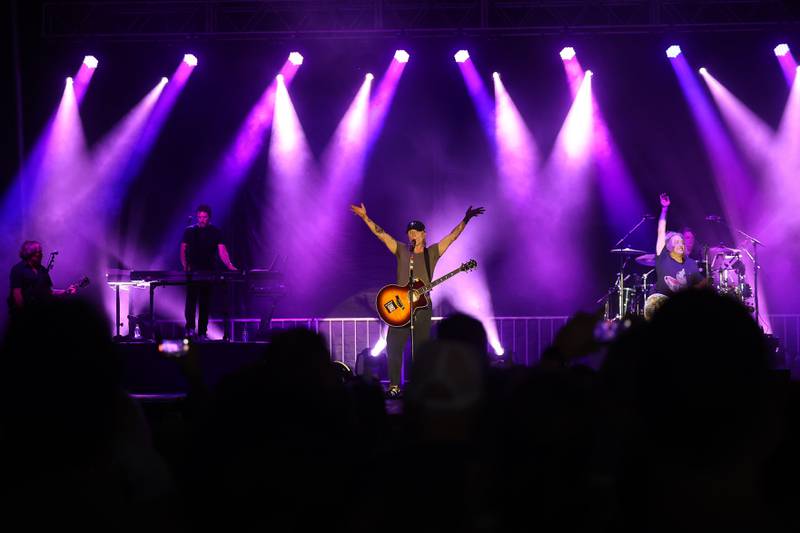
[
  {"x": 646, "y": 260},
  {"x": 627, "y": 251}
]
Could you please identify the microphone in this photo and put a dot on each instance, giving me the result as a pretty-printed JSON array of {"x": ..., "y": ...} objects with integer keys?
[
  {"x": 648, "y": 216},
  {"x": 412, "y": 245},
  {"x": 714, "y": 218},
  {"x": 54, "y": 253}
]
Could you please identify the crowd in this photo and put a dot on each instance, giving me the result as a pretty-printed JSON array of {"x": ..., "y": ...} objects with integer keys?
[{"x": 684, "y": 427}]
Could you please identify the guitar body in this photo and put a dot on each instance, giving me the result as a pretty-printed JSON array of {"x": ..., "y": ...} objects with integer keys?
[
  {"x": 392, "y": 300},
  {"x": 393, "y": 304}
]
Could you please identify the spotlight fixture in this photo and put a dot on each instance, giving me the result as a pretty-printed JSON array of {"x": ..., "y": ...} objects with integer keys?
[
  {"x": 589, "y": 73},
  {"x": 190, "y": 59},
  {"x": 369, "y": 76},
  {"x": 296, "y": 59},
  {"x": 781, "y": 50},
  {"x": 461, "y": 56},
  {"x": 496, "y": 76},
  {"x": 90, "y": 62},
  {"x": 164, "y": 80},
  {"x": 69, "y": 80},
  {"x": 702, "y": 70},
  {"x": 567, "y": 53},
  {"x": 279, "y": 77},
  {"x": 401, "y": 56},
  {"x": 673, "y": 51}
]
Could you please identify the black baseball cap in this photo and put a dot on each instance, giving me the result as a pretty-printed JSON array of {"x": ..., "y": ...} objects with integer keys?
[{"x": 415, "y": 224}]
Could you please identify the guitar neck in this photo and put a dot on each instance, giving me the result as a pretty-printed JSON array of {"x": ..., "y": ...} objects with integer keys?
[{"x": 442, "y": 279}]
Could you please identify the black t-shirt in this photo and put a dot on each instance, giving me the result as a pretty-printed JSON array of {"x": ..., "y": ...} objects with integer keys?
[
  {"x": 673, "y": 276},
  {"x": 201, "y": 247},
  {"x": 36, "y": 284}
]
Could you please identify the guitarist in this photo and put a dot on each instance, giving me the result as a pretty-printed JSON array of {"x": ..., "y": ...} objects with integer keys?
[
  {"x": 425, "y": 259},
  {"x": 30, "y": 281}
]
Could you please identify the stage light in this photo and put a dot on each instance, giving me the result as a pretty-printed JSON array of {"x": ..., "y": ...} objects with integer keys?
[
  {"x": 782, "y": 49},
  {"x": 673, "y": 51},
  {"x": 369, "y": 76},
  {"x": 90, "y": 61},
  {"x": 69, "y": 79},
  {"x": 496, "y": 75},
  {"x": 589, "y": 73},
  {"x": 498, "y": 350},
  {"x": 296, "y": 59},
  {"x": 279, "y": 77},
  {"x": 164, "y": 80},
  {"x": 461, "y": 56},
  {"x": 702, "y": 70},
  {"x": 190, "y": 59},
  {"x": 567, "y": 53},
  {"x": 378, "y": 348},
  {"x": 401, "y": 56}
]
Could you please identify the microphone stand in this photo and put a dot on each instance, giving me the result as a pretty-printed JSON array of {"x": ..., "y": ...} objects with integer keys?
[
  {"x": 410, "y": 292},
  {"x": 630, "y": 232},
  {"x": 756, "y": 243},
  {"x": 51, "y": 261}
]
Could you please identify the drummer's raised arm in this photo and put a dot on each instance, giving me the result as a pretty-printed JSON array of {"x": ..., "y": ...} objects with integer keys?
[{"x": 661, "y": 241}]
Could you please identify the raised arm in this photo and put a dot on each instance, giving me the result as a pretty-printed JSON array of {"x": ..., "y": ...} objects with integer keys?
[
  {"x": 445, "y": 243},
  {"x": 387, "y": 239},
  {"x": 661, "y": 241}
]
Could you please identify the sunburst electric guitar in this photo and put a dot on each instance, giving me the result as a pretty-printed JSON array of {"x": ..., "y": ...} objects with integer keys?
[{"x": 393, "y": 302}]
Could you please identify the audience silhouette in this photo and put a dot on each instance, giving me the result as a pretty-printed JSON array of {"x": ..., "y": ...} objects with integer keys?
[{"x": 684, "y": 427}]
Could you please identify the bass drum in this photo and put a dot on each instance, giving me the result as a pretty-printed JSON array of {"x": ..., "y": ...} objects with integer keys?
[
  {"x": 727, "y": 280},
  {"x": 633, "y": 299},
  {"x": 728, "y": 273}
]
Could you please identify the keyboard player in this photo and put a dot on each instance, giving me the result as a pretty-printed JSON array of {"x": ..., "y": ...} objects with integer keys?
[{"x": 202, "y": 249}]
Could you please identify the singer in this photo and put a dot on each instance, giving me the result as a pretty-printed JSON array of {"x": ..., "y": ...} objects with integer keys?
[
  {"x": 201, "y": 245},
  {"x": 424, "y": 263},
  {"x": 30, "y": 281}
]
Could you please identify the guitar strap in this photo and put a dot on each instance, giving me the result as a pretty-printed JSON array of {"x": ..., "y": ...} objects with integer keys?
[{"x": 428, "y": 265}]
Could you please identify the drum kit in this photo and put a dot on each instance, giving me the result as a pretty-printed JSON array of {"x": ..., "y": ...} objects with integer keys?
[{"x": 633, "y": 291}]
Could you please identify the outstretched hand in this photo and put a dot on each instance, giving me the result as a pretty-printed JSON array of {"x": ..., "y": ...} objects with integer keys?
[
  {"x": 664, "y": 199},
  {"x": 360, "y": 211},
  {"x": 471, "y": 213}
]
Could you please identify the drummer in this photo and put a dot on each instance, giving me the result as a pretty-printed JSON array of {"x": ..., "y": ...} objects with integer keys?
[
  {"x": 675, "y": 270},
  {"x": 689, "y": 242}
]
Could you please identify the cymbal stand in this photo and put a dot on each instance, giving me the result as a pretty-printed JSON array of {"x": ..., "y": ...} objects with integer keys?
[{"x": 623, "y": 263}]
